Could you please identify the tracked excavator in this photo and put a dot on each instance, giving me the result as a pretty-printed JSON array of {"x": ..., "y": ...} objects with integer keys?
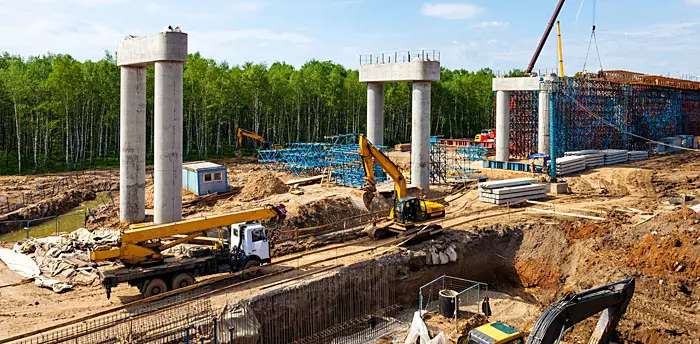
[
  {"x": 264, "y": 145},
  {"x": 409, "y": 214},
  {"x": 240, "y": 243},
  {"x": 612, "y": 300}
]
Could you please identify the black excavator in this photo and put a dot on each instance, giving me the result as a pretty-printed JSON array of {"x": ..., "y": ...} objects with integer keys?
[{"x": 612, "y": 300}]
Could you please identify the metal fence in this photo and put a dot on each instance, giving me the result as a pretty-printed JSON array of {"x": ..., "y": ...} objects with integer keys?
[
  {"x": 467, "y": 299},
  {"x": 401, "y": 56}
]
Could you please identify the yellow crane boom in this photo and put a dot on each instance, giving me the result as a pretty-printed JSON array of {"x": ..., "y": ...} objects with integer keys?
[
  {"x": 142, "y": 243},
  {"x": 561, "y": 54}
]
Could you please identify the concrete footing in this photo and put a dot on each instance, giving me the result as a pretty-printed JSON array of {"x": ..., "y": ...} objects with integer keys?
[
  {"x": 559, "y": 188},
  {"x": 420, "y": 135}
]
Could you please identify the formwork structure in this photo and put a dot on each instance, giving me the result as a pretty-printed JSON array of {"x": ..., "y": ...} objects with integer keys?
[
  {"x": 338, "y": 157},
  {"x": 614, "y": 110},
  {"x": 450, "y": 162}
]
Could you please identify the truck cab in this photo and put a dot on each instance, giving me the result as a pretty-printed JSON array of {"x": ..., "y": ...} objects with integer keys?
[
  {"x": 493, "y": 333},
  {"x": 249, "y": 243}
]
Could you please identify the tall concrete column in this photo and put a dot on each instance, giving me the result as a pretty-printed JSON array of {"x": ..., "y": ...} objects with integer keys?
[
  {"x": 420, "y": 135},
  {"x": 132, "y": 144},
  {"x": 167, "y": 164},
  {"x": 502, "y": 125},
  {"x": 375, "y": 112},
  {"x": 543, "y": 123}
]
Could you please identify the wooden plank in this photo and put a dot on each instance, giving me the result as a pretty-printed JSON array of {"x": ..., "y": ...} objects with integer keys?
[
  {"x": 567, "y": 207},
  {"x": 567, "y": 214},
  {"x": 305, "y": 181}
]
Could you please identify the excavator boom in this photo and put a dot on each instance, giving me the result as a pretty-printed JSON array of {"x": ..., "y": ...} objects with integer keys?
[
  {"x": 141, "y": 243},
  {"x": 246, "y": 133},
  {"x": 369, "y": 153},
  {"x": 612, "y": 300}
]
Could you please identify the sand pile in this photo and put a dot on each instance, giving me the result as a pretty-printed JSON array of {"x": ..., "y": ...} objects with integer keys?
[{"x": 260, "y": 185}]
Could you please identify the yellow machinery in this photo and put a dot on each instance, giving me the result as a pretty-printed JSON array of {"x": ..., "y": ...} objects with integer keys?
[
  {"x": 241, "y": 133},
  {"x": 408, "y": 212},
  {"x": 141, "y": 243},
  {"x": 241, "y": 245},
  {"x": 561, "y": 53}
]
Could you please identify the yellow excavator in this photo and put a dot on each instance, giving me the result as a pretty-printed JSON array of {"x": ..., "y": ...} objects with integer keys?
[
  {"x": 409, "y": 214},
  {"x": 241, "y": 243},
  {"x": 264, "y": 145}
]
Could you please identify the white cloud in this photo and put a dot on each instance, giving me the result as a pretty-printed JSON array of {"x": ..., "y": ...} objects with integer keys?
[
  {"x": 693, "y": 2},
  {"x": 451, "y": 10},
  {"x": 255, "y": 35},
  {"x": 491, "y": 24},
  {"x": 94, "y": 3},
  {"x": 248, "y": 6}
]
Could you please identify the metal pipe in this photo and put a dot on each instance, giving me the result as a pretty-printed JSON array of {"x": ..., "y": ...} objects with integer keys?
[
  {"x": 543, "y": 40},
  {"x": 561, "y": 54}
]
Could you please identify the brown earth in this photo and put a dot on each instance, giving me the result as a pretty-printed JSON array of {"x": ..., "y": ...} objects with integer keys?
[{"x": 260, "y": 185}]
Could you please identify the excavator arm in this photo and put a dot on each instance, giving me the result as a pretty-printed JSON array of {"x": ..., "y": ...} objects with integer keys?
[
  {"x": 142, "y": 243},
  {"x": 246, "y": 133},
  {"x": 369, "y": 153},
  {"x": 612, "y": 300}
]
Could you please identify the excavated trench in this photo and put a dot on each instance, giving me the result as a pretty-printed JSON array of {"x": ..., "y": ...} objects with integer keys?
[{"x": 535, "y": 263}]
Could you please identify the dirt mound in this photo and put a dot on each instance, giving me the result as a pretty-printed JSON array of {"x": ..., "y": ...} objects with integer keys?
[
  {"x": 676, "y": 253},
  {"x": 260, "y": 185},
  {"x": 322, "y": 211},
  {"x": 582, "y": 231},
  {"x": 681, "y": 215},
  {"x": 540, "y": 257}
]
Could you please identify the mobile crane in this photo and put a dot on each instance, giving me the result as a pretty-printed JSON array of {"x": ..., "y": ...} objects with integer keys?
[
  {"x": 240, "y": 244},
  {"x": 264, "y": 145},
  {"x": 408, "y": 213},
  {"x": 612, "y": 300}
]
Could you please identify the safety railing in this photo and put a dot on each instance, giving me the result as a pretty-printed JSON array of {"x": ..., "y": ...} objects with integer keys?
[
  {"x": 401, "y": 56},
  {"x": 468, "y": 294}
]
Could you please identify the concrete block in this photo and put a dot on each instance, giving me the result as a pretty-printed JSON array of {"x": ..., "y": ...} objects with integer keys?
[
  {"x": 443, "y": 258},
  {"x": 145, "y": 51},
  {"x": 451, "y": 254},
  {"x": 400, "y": 71},
  {"x": 559, "y": 188}
]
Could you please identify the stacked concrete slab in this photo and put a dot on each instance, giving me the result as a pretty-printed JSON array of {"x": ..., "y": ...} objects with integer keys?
[
  {"x": 637, "y": 155},
  {"x": 571, "y": 164},
  {"x": 615, "y": 156},
  {"x": 511, "y": 190},
  {"x": 593, "y": 157}
]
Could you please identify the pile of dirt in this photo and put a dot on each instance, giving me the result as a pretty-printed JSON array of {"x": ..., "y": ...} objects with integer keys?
[
  {"x": 53, "y": 206},
  {"x": 540, "y": 257},
  {"x": 684, "y": 214},
  {"x": 580, "y": 230},
  {"x": 676, "y": 253},
  {"x": 260, "y": 185},
  {"x": 322, "y": 211}
]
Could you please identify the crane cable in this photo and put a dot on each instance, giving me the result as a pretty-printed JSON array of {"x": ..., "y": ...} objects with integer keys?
[{"x": 592, "y": 40}]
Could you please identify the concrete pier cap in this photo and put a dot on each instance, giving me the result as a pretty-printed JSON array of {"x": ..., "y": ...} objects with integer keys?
[
  {"x": 420, "y": 68},
  {"x": 546, "y": 85},
  {"x": 167, "y": 51}
]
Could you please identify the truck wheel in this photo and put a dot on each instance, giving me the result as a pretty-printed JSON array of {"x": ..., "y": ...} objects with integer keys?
[
  {"x": 251, "y": 264},
  {"x": 182, "y": 280},
  {"x": 155, "y": 287}
]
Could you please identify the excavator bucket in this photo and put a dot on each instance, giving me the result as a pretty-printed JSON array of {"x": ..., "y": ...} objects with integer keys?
[{"x": 361, "y": 198}]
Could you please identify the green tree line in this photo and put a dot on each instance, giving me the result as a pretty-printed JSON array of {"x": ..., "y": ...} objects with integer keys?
[{"x": 60, "y": 114}]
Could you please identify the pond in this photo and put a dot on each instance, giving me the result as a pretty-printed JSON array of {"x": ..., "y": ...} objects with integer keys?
[{"x": 67, "y": 222}]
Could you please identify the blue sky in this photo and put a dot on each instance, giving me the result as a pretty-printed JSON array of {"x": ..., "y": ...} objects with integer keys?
[{"x": 650, "y": 36}]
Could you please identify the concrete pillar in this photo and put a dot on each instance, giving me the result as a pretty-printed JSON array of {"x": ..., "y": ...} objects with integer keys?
[
  {"x": 132, "y": 144},
  {"x": 502, "y": 125},
  {"x": 420, "y": 135},
  {"x": 543, "y": 123},
  {"x": 167, "y": 164},
  {"x": 375, "y": 113}
]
